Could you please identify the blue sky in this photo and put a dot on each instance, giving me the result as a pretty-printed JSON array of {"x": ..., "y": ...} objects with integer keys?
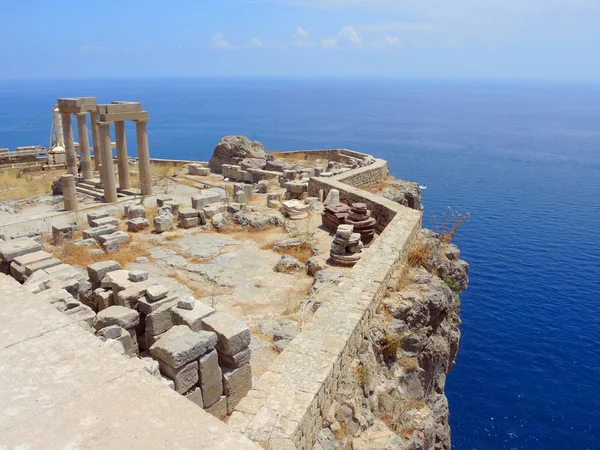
[{"x": 539, "y": 39}]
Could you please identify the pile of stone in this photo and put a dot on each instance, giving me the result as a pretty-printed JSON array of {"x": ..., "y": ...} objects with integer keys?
[
  {"x": 360, "y": 218},
  {"x": 167, "y": 209},
  {"x": 198, "y": 169},
  {"x": 294, "y": 209},
  {"x": 334, "y": 215},
  {"x": 274, "y": 200},
  {"x": 135, "y": 215},
  {"x": 296, "y": 189},
  {"x": 346, "y": 246},
  {"x": 103, "y": 229}
]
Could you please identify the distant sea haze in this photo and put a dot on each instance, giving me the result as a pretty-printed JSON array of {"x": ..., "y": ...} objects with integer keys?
[{"x": 524, "y": 160}]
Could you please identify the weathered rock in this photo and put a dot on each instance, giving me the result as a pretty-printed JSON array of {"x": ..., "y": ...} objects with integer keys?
[
  {"x": 95, "y": 233},
  {"x": 103, "y": 221},
  {"x": 236, "y": 384},
  {"x": 97, "y": 271},
  {"x": 162, "y": 199},
  {"x": 137, "y": 224},
  {"x": 156, "y": 292},
  {"x": 284, "y": 329},
  {"x": 192, "y": 317},
  {"x": 180, "y": 345},
  {"x": 9, "y": 250},
  {"x": 195, "y": 396},
  {"x": 184, "y": 377},
  {"x": 262, "y": 186},
  {"x": 186, "y": 302},
  {"x": 234, "y": 149},
  {"x": 84, "y": 242},
  {"x": 313, "y": 265},
  {"x": 234, "y": 361},
  {"x": 117, "y": 315},
  {"x": 210, "y": 378},
  {"x": 110, "y": 332},
  {"x": 233, "y": 334},
  {"x": 119, "y": 236},
  {"x": 160, "y": 320},
  {"x": 207, "y": 198},
  {"x": 163, "y": 223},
  {"x": 63, "y": 232},
  {"x": 135, "y": 212},
  {"x": 287, "y": 264},
  {"x": 219, "y": 409},
  {"x": 138, "y": 275}
]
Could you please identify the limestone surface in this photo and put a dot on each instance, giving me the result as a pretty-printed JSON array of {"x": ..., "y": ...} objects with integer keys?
[{"x": 180, "y": 345}]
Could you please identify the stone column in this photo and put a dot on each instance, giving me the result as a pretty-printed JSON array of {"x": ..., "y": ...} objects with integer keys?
[
  {"x": 107, "y": 168},
  {"x": 69, "y": 144},
  {"x": 84, "y": 146},
  {"x": 69, "y": 192},
  {"x": 96, "y": 138},
  {"x": 122, "y": 158},
  {"x": 143, "y": 157}
]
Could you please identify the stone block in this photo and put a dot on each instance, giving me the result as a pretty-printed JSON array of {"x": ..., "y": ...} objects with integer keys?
[
  {"x": 104, "y": 221},
  {"x": 17, "y": 267},
  {"x": 135, "y": 212},
  {"x": 160, "y": 320},
  {"x": 236, "y": 384},
  {"x": 184, "y": 377},
  {"x": 110, "y": 332},
  {"x": 271, "y": 198},
  {"x": 63, "y": 232},
  {"x": 138, "y": 224},
  {"x": 192, "y": 318},
  {"x": 234, "y": 208},
  {"x": 161, "y": 200},
  {"x": 239, "y": 197},
  {"x": 84, "y": 242},
  {"x": 9, "y": 250},
  {"x": 117, "y": 315},
  {"x": 40, "y": 265},
  {"x": 95, "y": 233},
  {"x": 186, "y": 302},
  {"x": 163, "y": 223},
  {"x": 186, "y": 223},
  {"x": 214, "y": 209},
  {"x": 138, "y": 275},
  {"x": 235, "y": 361},
  {"x": 195, "y": 396},
  {"x": 95, "y": 216},
  {"x": 206, "y": 198},
  {"x": 187, "y": 213},
  {"x": 210, "y": 378},
  {"x": 102, "y": 299},
  {"x": 117, "y": 280},
  {"x": 174, "y": 206},
  {"x": 180, "y": 345},
  {"x": 119, "y": 236},
  {"x": 263, "y": 186},
  {"x": 218, "y": 409},
  {"x": 145, "y": 306},
  {"x": 197, "y": 169},
  {"x": 97, "y": 271},
  {"x": 233, "y": 334},
  {"x": 156, "y": 292},
  {"x": 149, "y": 340},
  {"x": 131, "y": 294}
]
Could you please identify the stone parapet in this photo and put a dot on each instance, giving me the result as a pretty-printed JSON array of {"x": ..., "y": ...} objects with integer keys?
[{"x": 286, "y": 407}]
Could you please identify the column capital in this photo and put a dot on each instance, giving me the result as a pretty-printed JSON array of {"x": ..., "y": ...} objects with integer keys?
[
  {"x": 64, "y": 114},
  {"x": 103, "y": 124},
  {"x": 82, "y": 114},
  {"x": 142, "y": 120}
]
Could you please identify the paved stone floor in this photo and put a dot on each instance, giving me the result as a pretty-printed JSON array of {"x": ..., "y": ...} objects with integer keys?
[{"x": 61, "y": 388}]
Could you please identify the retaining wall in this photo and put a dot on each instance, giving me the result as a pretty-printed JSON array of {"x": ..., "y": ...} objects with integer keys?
[{"x": 285, "y": 409}]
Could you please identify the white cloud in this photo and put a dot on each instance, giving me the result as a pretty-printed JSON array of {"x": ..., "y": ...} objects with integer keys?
[
  {"x": 386, "y": 42},
  {"x": 329, "y": 43},
  {"x": 350, "y": 33},
  {"x": 300, "y": 33},
  {"x": 218, "y": 41},
  {"x": 255, "y": 42}
]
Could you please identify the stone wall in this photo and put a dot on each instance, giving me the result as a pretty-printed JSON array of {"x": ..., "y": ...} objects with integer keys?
[
  {"x": 285, "y": 409},
  {"x": 337, "y": 155}
]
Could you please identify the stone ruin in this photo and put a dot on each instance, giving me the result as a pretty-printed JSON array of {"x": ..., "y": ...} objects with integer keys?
[
  {"x": 346, "y": 246},
  {"x": 360, "y": 218}
]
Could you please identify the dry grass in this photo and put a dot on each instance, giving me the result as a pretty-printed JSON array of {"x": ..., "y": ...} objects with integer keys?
[
  {"x": 408, "y": 364},
  {"x": 15, "y": 185},
  {"x": 388, "y": 346},
  {"x": 418, "y": 254},
  {"x": 79, "y": 256},
  {"x": 449, "y": 225}
]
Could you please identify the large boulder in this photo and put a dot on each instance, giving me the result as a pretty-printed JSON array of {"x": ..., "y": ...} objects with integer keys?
[{"x": 233, "y": 150}]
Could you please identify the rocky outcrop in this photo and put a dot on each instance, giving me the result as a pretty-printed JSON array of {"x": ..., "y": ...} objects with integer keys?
[
  {"x": 393, "y": 395},
  {"x": 235, "y": 150},
  {"x": 404, "y": 192}
]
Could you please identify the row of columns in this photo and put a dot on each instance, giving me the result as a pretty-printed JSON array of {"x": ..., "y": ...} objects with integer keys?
[{"x": 103, "y": 157}]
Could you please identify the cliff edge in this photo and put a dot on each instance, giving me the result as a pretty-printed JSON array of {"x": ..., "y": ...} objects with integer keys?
[{"x": 392, "y": 397}]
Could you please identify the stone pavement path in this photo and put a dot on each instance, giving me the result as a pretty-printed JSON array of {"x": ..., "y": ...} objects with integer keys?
[{"x": 61, "y": 388}]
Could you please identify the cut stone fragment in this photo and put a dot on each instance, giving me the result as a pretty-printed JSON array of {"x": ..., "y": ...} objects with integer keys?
[
  {"x": 138, "y": 275},
  {"x": 98, "y": 270},
  {"x": 163, "y": 223},
  {"x": 180, "y": 345},
  {"x": 236, "y": 384},
  {"x": 138, "y": 224},
  {"x": 186, "y": 302},
  {"x": 145, "y": 306},
  {"x": 210, "y": 378},
  {"x": 104, "y": 221},
  {"x": 195, "y": 396},
  {"x": 160, "y": 201},
  {"x": 161, "y": 320},
  {"x": 117, "y": 315},
  {"x": 9, "y": 250},
  {"x": 184, "y": 377},
  {"x": 219, "y": 409},
  {"x": 192, "y": 318},
  {"x": 235, "y": 361},
  {"x": 156, "y": 292},
  {"x": 95, "y": 216},
  {"x": 234, "y": 335},
  {"x": 119, "y": 236},
  {"x": 95, "y": 233},
  {"x": 131, "y": 294},
  {"x": 110, "y": 332}
]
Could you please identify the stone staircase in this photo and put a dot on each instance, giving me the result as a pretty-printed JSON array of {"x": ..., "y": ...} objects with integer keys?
[{"x": 93, "y": 188}]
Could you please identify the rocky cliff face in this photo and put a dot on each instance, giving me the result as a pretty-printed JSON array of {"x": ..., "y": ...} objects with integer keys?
[
  {"x": 237, "y": 150},
  {"x": 393, "y": 395}
]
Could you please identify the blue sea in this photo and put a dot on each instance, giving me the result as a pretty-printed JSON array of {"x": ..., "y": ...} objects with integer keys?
[{"x": 522, "y": 158}]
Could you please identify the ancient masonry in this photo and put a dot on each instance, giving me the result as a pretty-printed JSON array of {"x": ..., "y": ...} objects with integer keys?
[{"x": 199, "y": 353}]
